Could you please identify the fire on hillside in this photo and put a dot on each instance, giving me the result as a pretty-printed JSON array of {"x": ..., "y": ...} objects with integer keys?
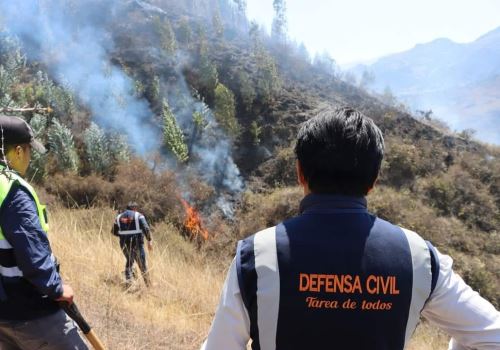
[{"x": 193, "y": 223}]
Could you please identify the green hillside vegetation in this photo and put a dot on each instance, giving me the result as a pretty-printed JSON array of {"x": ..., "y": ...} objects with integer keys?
[{"x": 259, "y": 88}]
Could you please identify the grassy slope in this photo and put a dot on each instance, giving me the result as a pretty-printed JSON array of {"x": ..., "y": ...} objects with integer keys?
[{"x": 175, "y": 313}]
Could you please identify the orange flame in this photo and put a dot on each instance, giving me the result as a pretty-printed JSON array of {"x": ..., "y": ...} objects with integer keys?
[{"x": 193, "y": 221}]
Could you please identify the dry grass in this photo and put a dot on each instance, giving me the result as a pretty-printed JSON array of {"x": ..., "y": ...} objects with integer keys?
[
  {"x": 175, "y": 313},
  {"x": 427, "y": 337}
]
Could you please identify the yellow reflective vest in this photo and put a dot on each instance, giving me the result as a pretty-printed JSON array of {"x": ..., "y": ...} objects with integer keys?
[{"x": 8, "y": 179}]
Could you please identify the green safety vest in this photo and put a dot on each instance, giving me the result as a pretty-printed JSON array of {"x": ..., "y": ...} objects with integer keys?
[{"x": 7, "y": 179}]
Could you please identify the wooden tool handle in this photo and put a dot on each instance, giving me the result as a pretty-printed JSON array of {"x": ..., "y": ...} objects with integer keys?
[{"x": 94, "y": 340}]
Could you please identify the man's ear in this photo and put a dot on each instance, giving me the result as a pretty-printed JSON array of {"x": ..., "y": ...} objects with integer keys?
[
  {"x": 373, "y": 185},
  {"x": 19, "y": 150},
  {"x": 300, "y": 174},
  {"x": 302, "y": 179}
]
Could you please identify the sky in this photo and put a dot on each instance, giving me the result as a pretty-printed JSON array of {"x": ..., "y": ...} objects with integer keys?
[{"x": 361, "y": 30}]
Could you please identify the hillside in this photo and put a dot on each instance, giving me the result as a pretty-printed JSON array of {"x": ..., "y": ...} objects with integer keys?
[
  {"x": 168, "y": 101},
  {"x": 459, "y": 82}
]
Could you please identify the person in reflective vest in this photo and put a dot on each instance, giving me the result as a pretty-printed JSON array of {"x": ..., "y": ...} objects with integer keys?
[
  {"x": 131, "y": 226},
  {"x": 30, "y": 285},
  {"x": 336, "y": 276}
]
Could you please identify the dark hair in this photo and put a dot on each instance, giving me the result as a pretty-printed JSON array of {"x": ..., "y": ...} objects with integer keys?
[
  {"x": 132, "y": 205},
  {"x": 340, "y": 152},
  {"x": 6, "y": 149}
]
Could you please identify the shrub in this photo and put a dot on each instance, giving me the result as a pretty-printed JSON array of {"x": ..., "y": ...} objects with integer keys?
[
  {"x": 400, "y": 165},
  {"x": 474, "y": 272},
  {"x": 280, "y": 170},
  {"x": 134, "y": 181},
  {"x": 258, "y": 211},
  {"x": 402, "y": 208},
  {"x": 75, "y": 191},
  {"x": 156, "y": 192},
  {"x": 457, "y": 193}
]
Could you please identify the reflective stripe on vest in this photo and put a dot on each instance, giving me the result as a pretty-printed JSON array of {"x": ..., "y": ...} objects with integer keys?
[
  {"x": 422, "y": 277},
  {"x": 15, "y": 271},
  {"x": 129, "y": 232},
  {"x": 7, "y": 180},
  {"x": 10, "y": 271},
  {"x": 3, "y": 243},
  {"x": 268, "y": 286}
]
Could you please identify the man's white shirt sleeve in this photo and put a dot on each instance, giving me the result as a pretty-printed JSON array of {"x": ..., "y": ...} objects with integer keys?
[
  {"x": 471, "y": 321},
  {"x": 231, "y": 326}
]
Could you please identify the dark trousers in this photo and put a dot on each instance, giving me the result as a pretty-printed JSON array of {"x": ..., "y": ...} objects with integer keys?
[
  {"x": 133, "y": 249},
  {"x": 54, "y": 332}
]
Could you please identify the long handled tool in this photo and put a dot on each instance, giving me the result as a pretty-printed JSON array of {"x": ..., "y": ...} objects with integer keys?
[{"x": 73, "y": 312}]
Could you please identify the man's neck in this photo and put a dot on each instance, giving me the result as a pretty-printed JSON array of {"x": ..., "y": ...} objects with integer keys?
[{"x": 4, "y": 167}]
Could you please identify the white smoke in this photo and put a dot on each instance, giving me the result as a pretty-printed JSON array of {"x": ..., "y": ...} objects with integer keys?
[
  {"x": 76, "y": 54},
  {"x": 74, "y": 42},
  {"x": 210, "y": 150}
]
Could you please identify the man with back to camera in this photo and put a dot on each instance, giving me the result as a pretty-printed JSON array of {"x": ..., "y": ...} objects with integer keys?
[
  {"x": 30, "y": 285},
  {"x": 337, "y": 277},
  {"x": 130, "y": 226}
]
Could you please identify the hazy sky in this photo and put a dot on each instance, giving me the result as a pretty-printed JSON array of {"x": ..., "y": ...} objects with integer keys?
[{"x": 355, "y": 30}]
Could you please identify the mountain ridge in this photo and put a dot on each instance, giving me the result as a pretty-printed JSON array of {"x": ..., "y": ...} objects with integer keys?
[{"x": 431, "y": 76}]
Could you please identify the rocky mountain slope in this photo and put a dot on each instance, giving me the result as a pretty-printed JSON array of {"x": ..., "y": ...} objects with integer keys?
[{"x": 458, "y": 82}]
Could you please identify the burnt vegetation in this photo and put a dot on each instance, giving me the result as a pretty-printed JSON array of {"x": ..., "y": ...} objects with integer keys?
[{"x": 259, "y": 88}]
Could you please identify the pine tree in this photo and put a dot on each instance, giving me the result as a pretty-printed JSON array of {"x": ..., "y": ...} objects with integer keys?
[
  {"x": 10, "y": 74},
  {"x": 225, "y": 110},
  {"x": 173, "y": 136},
  {"x": 217, "y": 24},
  {"x": 279, "y": 29},
  {"x": 303, "y": 53},
  {"x": 117, "y": 147},
  {"x": 388, "y": 97},
  {"x": 155, "y": 89},
  {"x": 247, "y": 90},
  {"x": 268, "y": 80},
  {"x": 255, "y": 130},
  {"x": 367, "y": 79},
  {"x": 209, "y": 77},
  {"x": 254, "y": 34},
  {"x": 184, "y": 33},
  {"x": 96, "y": 149},
  {"x": 46, "y": 93},
  {"x": 62, "y": 146},
  {"x": 241, "y": 14},
  {"x": 168, "y": 41},
  {"x": 139, "y": 88},
  {"x": 324, "y": 63},
  {"x": 37, "y": 169}
]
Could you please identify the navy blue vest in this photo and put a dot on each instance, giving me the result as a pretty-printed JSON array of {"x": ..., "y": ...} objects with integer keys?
[
  {"x": 128, "y": 223},
  {"x": 335, "y": 277}
]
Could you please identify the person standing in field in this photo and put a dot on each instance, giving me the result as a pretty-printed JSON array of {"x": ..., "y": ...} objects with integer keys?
[
  {"x": 30, "y": 284},
  {"x": 131, "y": 226},
  {"x": 336, "y": 276}
]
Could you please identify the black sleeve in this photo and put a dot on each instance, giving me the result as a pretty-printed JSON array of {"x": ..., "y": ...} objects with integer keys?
[{"x": 115, "y": 229}]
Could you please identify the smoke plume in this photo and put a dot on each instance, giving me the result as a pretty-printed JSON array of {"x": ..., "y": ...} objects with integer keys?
[{"x": 73, "y": 39}]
